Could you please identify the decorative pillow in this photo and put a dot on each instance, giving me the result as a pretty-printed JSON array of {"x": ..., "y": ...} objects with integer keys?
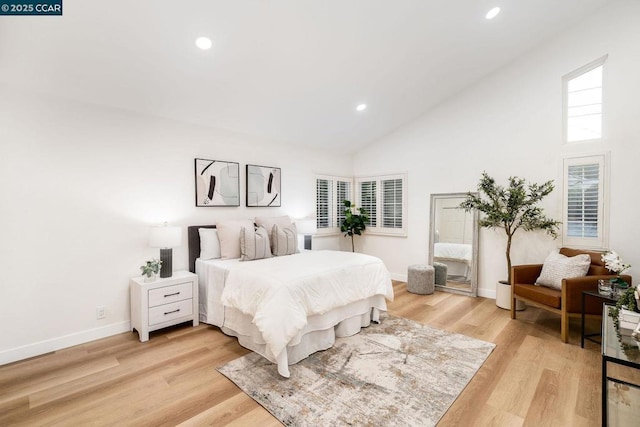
[
  {"x": 254, "y": 244},
  {"x": 284, "y": 241},
  {"x": 269, "y": 221},
  {"x": 209, "y": 243},
  {"x": 229, "y": 236},
  {"x": 557, "y": 267}
]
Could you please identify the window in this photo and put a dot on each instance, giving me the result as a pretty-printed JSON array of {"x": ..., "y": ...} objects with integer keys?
[
  {"x": 331, "y": 191},
  {"x": 582, "y": 92},
  {"x": 584, "y": 206},
  {"x": 384, "y": 199}
]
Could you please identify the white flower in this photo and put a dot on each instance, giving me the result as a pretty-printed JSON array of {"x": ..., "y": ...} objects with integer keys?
[{"x": 613, "y": 263}]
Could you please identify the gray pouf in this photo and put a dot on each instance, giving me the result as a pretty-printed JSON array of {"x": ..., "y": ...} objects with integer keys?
[
  {"x": 441, "y": 273},
  {"x": 420, "y": 279}
]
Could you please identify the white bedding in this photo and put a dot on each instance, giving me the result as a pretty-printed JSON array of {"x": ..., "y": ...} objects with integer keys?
[
  {"x": 452, "y": 252},
  {"x": 281, "y": 294}
]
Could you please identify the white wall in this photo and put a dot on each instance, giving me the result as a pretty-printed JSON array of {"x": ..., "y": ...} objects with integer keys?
[
  {"x": 511, "y": 124},
  {"x": 80, "y": 187}
]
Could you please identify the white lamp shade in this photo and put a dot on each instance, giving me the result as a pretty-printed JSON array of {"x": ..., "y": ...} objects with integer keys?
[
  {"x": 165, "y": 237},
  {"x": 306, "y": 226}
]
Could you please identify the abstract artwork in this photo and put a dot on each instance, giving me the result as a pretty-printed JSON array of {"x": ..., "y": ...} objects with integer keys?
[
  {"x": 263, "y": 186},
  {"x": 217, "y": 183}
]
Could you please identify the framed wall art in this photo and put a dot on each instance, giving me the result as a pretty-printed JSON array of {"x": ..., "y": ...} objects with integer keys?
[
  {"x": 217, "y": 183},
  {"x": 263, "y": 186}
]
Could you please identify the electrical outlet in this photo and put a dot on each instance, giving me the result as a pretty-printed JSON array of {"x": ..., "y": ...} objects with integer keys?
[{"x": 101, "y": 312}]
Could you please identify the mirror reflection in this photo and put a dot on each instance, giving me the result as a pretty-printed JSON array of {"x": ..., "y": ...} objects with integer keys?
[{"x": 453, "y": 244}]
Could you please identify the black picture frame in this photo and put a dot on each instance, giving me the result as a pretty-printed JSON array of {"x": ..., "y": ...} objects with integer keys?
[
  {"x": 217, "y": 183},
  {"x": 264, "y": 186}
]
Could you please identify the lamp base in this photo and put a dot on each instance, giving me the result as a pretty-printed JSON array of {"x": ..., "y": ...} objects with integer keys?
[{"x": 166, "y": 256}]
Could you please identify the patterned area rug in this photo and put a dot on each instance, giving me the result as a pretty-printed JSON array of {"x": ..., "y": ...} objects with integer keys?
[{"x": 399, "y": 372}]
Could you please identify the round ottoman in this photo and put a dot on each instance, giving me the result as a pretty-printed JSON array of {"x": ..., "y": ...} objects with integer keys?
[
  {"x": 441, "y": 273},
  {"x": 420, "y": 279}
]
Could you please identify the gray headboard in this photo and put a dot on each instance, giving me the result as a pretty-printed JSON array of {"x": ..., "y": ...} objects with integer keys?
[{"x": 193, "y": 236}]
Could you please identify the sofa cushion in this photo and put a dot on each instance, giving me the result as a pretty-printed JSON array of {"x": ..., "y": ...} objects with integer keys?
[
  {"x": 543, "y": 295},
  {"x": 557, "y": 267}
]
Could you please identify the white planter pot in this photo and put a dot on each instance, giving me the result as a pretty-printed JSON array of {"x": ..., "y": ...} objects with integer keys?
[{"x": 503, "y": 297}]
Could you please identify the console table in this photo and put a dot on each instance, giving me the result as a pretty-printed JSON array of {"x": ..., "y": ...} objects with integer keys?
[{"x": 619, "y": 347}]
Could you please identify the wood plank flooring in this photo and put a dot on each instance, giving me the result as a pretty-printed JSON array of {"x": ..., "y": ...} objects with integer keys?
[{"x": 531, "y": 378}]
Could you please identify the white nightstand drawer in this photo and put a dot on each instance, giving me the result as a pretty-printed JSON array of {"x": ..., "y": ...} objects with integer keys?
[
  {"x": 169, "y": 294},
  {"x": 167, "y": 312}
]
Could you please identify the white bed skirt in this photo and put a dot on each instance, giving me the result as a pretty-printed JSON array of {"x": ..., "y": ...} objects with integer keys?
[{"x": 319, "y": 333}]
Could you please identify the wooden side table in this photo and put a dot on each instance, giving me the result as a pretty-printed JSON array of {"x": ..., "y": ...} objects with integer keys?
[{"x": 163, "y": 302}]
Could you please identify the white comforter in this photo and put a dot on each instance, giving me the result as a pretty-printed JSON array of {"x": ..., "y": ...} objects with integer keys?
[
  {"x": 453, "y": 251},
  {"x": 281, "y": 292}
]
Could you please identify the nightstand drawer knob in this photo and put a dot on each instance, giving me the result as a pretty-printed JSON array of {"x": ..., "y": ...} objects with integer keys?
[
  {"x": 169, "y": 312},
  {"x": 173, "y": 294}
]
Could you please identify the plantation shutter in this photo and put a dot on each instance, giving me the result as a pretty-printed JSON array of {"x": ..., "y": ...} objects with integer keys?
[
  {"x": 392, "y": 203},
  {"x": 583, "y": 200},
  {"x": 368, "y": 201},
  {"x": 343, "y": 192},
  {"x": 324, "y": 191}
]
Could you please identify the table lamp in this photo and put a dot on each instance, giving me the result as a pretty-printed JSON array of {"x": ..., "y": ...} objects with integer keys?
[
  {"x": 166, "y": 238},
  {"x": 306, "y": 227}
]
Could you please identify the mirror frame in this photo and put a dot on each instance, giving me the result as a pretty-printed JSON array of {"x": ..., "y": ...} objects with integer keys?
[{"x": 474, "y": 248}]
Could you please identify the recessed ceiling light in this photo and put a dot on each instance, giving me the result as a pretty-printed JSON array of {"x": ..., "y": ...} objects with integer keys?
[
  {"x": 493, "y": 13},
  {"x": 203, "y": 43},
  {"x": 361, "y": 107}
]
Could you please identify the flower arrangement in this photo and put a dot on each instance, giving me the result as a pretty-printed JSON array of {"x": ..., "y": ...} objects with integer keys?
[
  {"x": 151, "y": 268},
  {"x": 614, "y": 264}
]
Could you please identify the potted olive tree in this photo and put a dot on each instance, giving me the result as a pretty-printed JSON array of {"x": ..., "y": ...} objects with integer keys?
[
  {"x": 354, "y": 222},
  {"x": 510, "y": 209}
]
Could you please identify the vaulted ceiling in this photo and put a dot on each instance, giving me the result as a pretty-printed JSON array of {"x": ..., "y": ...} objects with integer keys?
[{"x": 286, "y": 70}]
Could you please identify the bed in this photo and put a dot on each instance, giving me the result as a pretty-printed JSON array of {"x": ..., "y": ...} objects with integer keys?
[
  {"x": 288, "y": 307},
  {"x": 457, "y": 256}
]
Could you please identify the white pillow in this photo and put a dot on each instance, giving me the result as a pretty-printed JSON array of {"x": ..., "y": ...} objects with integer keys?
[
  {"x": 269, "y": 221},
  {"x": 284, "y": 241},
  {"x": 229, "y": 235},
  {"x": 557, "y": 267},
  {"x": 254, "y": 243},
  {"x": 209, "y": 243}
]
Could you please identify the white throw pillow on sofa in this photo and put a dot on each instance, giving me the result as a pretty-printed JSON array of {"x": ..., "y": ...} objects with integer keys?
[{"x": 557, "y": 267}]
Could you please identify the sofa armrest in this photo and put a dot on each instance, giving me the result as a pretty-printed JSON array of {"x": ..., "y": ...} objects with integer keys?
[
  {"x": 526, "y": 274},
  {"x": 572, "y": 290}
]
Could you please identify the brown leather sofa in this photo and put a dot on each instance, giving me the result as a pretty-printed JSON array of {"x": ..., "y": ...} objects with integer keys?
[{"x": 567, "y": 302}]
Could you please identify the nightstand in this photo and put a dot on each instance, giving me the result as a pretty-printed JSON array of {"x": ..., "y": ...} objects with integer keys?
[{"x": 163, "y": 302}]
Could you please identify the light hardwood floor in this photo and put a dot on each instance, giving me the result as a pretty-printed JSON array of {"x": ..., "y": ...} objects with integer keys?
[{"x": 531, "y": 378}]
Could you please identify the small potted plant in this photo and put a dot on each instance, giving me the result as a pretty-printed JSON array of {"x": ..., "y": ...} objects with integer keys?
[
  {"x": 151, "y": 269},
  {"x": 353, "y": 223}
]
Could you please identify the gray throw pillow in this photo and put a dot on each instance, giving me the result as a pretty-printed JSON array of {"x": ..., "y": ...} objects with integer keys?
[
  {"x": 284, "y": 241},
  {"x": 254, "y": 244}
]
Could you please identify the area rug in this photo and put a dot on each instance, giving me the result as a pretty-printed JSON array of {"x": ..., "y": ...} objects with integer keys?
[{"x": 398, "y": 372}]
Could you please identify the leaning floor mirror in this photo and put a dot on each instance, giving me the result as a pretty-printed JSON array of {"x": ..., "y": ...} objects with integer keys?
[{"x": 453, "y": 244}]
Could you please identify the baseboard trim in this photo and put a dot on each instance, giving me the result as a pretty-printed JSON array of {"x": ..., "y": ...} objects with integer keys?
[
  {"x": 53, "y": 344},
  {"x": 487, "y": 293},
  {"x": 400, "y": 277},
  {"x": 482, "y": 292}
]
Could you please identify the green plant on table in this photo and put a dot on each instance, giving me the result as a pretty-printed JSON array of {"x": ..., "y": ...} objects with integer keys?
[
  {"x": 629, "y": 301},
  {"x": 151, "y": 267}
]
